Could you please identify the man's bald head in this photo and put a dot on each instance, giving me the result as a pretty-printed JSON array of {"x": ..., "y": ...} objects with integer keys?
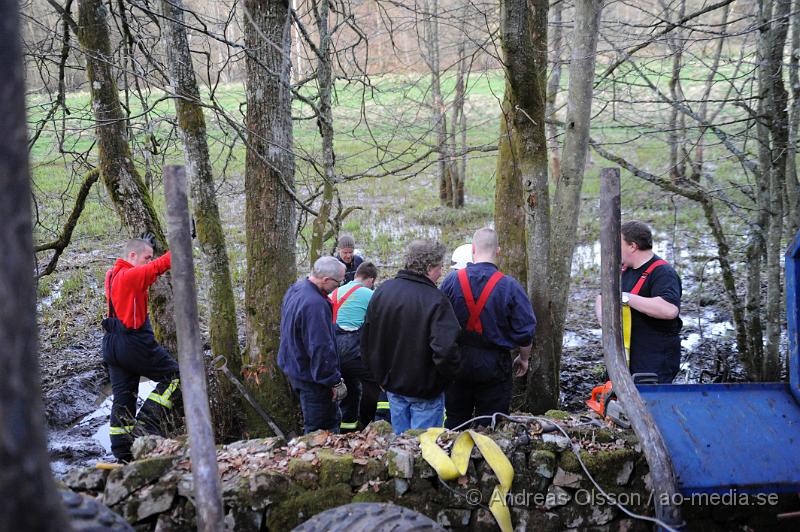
[{"x": 484, "y": 244}]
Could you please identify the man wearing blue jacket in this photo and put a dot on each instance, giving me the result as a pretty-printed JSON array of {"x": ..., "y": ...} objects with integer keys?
[
  {"x": 307, "y": 352},
  {"x": 496, "y": 317}
]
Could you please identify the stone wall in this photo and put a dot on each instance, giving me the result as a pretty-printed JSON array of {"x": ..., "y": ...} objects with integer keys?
[{"x": 269, "y": 484}]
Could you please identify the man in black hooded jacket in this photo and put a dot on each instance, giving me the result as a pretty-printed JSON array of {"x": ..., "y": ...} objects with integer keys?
[{"x": 408, "y": 339}]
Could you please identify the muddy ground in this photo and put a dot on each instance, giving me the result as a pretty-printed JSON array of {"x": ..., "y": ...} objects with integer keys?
[{"x": 74, "y": 382}]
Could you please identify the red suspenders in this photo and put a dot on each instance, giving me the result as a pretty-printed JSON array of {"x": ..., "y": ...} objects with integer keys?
[
  {"x": 643, "y": 278},
  {"x": 339, "y": 302},
  {"x": 475, "y": 308}
]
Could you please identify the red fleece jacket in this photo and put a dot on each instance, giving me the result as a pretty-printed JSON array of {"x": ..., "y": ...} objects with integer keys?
[{"x": 128, "y": 288}]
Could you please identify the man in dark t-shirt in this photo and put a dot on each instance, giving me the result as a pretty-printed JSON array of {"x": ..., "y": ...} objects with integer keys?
[{"x": 651, "y": 290}]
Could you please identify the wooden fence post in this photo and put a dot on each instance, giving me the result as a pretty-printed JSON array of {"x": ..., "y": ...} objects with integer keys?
[
  {"x": 205, "y": 472},
  {"x": 655, "y": 451}
]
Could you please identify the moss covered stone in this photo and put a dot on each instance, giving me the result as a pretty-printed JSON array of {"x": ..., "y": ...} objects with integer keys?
[
  {"x": 542, "y": 463},
  {"x": 303, "y": 472},
  {"x": 297, "y": 509},
  {"x": 124, "y": 481},
  {"x": 334, "y": 468},
  {"x": 373, "y": 469},
  {"x": 264, "y": 488},
  {"x": 558, "y": 414},
  {"x": 380, "y": 427},
  {"x": 604, "y": 466},
  {"x": 400, "y": 463}
]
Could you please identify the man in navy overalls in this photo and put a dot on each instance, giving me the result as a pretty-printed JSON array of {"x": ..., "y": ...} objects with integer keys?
[{"x": 496, "y": 317}]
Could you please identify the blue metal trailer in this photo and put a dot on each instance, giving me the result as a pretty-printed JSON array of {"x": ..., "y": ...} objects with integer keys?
[{"x": 743, "y": 437}]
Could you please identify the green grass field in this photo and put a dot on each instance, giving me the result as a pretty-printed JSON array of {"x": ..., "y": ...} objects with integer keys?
[{"x": 396, "y": 209}]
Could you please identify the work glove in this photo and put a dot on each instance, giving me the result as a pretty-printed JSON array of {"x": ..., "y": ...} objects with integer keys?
[
  {"x": 148, "y": 237},
  {"x": 339, "y": 391}
]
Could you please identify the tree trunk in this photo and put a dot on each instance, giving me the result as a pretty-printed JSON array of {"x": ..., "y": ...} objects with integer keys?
[
  {"x": 779, "y": 133},
  {"x": 192, "y": 125},
  {"x": 792, "y": 185},
  {"x": 553, "y": 87},
  {"x": 430, "y": 54},
  {"x": 325, "y": 123},
  {"x": 29, "y": 496},
  {"x": 125, "y": 187},
  {"x": 509, "y": 210},
  {"x": 567, "y": 204},
  {"x": 677, "y": 120},
  {"x": 269, "y": 210},
  {"x": 523, "y": 29}
]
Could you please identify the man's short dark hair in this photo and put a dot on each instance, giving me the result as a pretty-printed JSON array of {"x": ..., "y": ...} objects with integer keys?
[
  {"x": 636, "y": 232},
  {"x": 367, "y": 270},
  {"x": 424, "y": 254},
  {"x": 346, "y": 242},
  {"x": 136, "y": 245}
]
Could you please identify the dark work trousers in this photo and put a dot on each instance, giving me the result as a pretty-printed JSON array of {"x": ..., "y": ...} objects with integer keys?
[
  {"x": 382, "y": 410},
  {"x": 362, "y": 389},
  {"x": 320, "y": 411},
  {"x": 483, "y": 386},
  {"x": 129, "y": 355}
]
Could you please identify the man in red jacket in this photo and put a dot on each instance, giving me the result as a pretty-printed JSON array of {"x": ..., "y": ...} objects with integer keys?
[{"x": 130, "y": 349}]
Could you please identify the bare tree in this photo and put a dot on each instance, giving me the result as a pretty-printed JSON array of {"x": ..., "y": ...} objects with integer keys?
[
  {"x": 123, "y": 182},
  {"x": 192, "y": 124},
  {"x": 270, "y": 211}
]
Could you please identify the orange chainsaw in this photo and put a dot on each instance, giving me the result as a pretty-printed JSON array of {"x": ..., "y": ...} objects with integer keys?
[{"x": 604, "y": 400}]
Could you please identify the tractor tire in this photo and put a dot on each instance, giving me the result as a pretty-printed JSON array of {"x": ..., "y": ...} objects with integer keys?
[
  {"x": 369, "y": 517},
  {"x": 85, "y": 514}
]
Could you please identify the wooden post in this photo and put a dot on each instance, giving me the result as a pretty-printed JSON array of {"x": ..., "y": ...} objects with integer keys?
[
  {"x": 28, "y": 493},
  {"x": 661, "y": 471},
  {"x": 205, "y": 472}
]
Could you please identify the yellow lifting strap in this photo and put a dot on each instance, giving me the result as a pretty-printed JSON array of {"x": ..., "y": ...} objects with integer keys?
[
  {"x": 454, "y": 466},
  {"x": 626, "y": 331}
]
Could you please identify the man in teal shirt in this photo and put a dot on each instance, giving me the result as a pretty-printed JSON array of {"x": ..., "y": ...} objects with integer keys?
[{"x": 349, "y": 309}]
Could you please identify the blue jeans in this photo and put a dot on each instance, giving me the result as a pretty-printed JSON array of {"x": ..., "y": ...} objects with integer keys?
[{"x": 414, "y": 413}]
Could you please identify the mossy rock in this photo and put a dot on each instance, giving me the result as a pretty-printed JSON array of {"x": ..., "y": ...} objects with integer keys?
[
  {"x": 334, "y": 468},
  {"x": 371, "y": 496},
  {"x": 303, "y": 472},
  {"x": 380, "y": 427},
  {"x": 265, "y": 488},
  {"x": 414, "y": 433},
  {"x": 558, "y": 414},
  {"x": 599, "y": 435},
  {"x": 299, "y": 508},
  {"x": 603, "y": 465},
  {"x": 125, "y": 480},
  {"x": 374, "y": 469},
  {"x": 542, "y": 464}
]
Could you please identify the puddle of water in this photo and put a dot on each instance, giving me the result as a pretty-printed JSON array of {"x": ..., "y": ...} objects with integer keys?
[
  {"x": 586, "y": 257},
  {"x": 104, "y": 410},
  {"x": 54, "y": 295},
  {"x": 690, "y": 343},
  {"x": 572, "y": 339}
]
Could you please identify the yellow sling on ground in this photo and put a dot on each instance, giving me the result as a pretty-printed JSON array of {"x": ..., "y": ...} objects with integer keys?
[{"x": 454, "y": 466}]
